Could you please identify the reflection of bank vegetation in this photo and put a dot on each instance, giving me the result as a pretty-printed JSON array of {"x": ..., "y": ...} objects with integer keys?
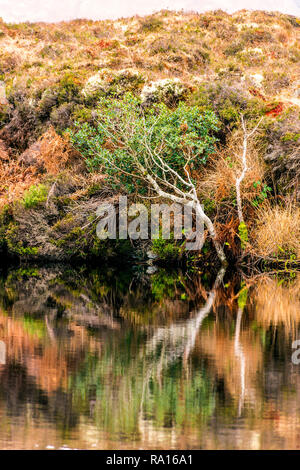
[
  {"x": 135, "y": 355},
  {"x": 278, "y": 302}
]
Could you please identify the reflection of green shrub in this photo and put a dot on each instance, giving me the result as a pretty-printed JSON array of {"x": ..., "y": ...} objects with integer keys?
[
  {"x": 35, "y": 327},
  {"x": 119, "y": 384},
  {"x": 243, "y": 295},
  {"x": 34, "y": 196},
  {"x": 165, "y": 285},
  {"x": 164, "y": 401}
]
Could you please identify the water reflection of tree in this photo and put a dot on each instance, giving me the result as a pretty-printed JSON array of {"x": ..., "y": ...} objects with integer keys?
[
  {"x": 154, "y": 381},
  {"x": 113, "y": 362},
  {"x": 36, "y": 304}
]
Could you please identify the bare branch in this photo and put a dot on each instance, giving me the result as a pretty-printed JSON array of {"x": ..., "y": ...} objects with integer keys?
[{"x": 240, "y": 179}]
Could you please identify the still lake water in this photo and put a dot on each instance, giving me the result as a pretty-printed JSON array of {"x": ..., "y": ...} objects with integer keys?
[{"x": 116, "y": 359}]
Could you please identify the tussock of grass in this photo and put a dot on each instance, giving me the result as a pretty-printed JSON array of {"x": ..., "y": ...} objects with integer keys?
[
  {"x": 277, "y": 232},
  {"x": 220, "y": 178}
]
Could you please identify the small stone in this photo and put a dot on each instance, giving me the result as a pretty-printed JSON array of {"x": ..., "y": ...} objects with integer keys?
[{"x": 151, "y": 255}]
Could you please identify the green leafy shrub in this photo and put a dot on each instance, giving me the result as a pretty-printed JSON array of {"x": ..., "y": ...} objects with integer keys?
[
  {"x": 265, "y": 189},
  {"x": 123, "y": 127}
]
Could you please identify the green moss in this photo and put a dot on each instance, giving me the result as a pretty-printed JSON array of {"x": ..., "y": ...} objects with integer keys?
[
  {"x": 15, "y": 245},
  {"x": 24, "y": 272},
  {"x": 34, "y": 196},
  {"x": 5, "y": 220},
  {"x": 64, "y": 224},
  {"x": 243, "y": 234},
  {"x": 94, "y": 189}
]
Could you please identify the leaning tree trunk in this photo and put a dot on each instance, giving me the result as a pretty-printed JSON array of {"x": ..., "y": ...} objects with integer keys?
[{"x": 212, "y": 232}]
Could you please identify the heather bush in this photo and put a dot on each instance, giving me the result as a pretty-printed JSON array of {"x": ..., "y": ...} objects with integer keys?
[{"x": 168, "y": 91}]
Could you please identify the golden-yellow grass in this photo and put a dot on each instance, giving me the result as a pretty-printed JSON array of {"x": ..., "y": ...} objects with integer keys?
[
  {"x": 220, "y": 178},
  {"x": 277, "y": 232}
]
